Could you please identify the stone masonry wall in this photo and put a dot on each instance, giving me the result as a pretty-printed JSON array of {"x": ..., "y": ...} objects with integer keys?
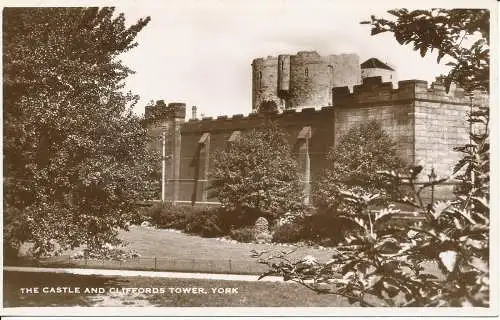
[
  {"x": 440, "y": 125},
  {"x": 311, "y": 80},
  {"x": 426, "y": 123},
  {"x": 396, "y": 120},
  {"x": 193, "y": 181},
  {"x": 164, "y": 123},
  {"x": 377, "y": 100},
  {"x": 346, "y": 70}
]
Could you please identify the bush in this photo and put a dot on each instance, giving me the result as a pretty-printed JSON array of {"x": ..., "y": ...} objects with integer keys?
[
  {"x": 353, "y": 166},
  {"x": 246, "y": 234},
  {"x": 264, "y": 238},
  {"x": 257, "y": 175},
  {"x": 166, "y": 215},
  {"x": 326, "y": 228},
  {"x": 288, "y": 233},
  {"x": 206, "y": 222},
  {"x": 202, "y": 221}
]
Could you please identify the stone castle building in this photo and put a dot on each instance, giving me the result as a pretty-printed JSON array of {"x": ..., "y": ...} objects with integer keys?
[
  {"x": 333, "y": 93},
  {"x": 302, "y": 80}
]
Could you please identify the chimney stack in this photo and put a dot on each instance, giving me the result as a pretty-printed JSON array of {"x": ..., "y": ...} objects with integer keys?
[{"x": 193, "y": 109}]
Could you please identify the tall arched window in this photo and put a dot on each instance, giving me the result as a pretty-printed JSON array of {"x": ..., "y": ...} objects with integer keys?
[
  {"x": 260, "y": 79},
  {"x": 306, "y": 72}
]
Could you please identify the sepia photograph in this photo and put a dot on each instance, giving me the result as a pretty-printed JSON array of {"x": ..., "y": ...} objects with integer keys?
[{"x": 283, "y": 157}]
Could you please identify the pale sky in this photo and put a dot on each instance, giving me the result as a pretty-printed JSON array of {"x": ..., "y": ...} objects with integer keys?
[{"x": 200, "y": 52}]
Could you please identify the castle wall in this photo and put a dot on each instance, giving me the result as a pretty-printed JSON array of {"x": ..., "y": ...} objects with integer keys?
[
  {"x": 346, "y": 70},
  {"x": 155, "y": 132},
  {"x": 426, "y": 123},
  {"x": 265, "y": 82},
  {"x": 374, "y": 100},
  {"x": 193, "y": 183},
  {"x": 440, "y": 125},
  {"x": 310, "y": 80},
  {"x": 283, "y": 74},
  {"x": 164, "y": 123},
  {"x": 302, "y": 80}
]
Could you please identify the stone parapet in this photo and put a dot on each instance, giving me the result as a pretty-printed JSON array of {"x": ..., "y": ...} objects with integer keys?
[
  {"x": 373, "y": 90},
  {"x": 162, "y": 111},
  {"x": 239, "y": 121}
]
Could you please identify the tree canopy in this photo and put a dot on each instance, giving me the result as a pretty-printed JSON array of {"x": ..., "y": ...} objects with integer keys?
[
  {"x": 460, "y": 35},
  {"x": 353, "y": 165},
  {"x": 257, "y": 175},
  {"x": 74, "y": 153}
]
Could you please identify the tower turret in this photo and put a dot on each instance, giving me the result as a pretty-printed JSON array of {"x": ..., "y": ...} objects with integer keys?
[{"x": 373, "y": 67}]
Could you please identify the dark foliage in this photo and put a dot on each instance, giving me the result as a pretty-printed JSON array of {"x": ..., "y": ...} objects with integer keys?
[
  {"x": 196, "y": 220},
  {"x": 245, "y": 234},
  {"x": 257, "y": 176},
  {"x": 75, "y": 157},
  {"x": 289, "y": 233}
]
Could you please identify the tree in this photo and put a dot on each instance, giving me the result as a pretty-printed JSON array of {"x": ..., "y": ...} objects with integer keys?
[
  {"x": 447, "y": 31},
  {"x": 257, "y": 175},
  {"x": 75, "y": 158},
  {"x": 390, "y": 266},
  {"x": 353, "y": 165}
]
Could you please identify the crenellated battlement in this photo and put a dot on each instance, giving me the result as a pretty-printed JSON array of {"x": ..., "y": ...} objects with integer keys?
[
  {"x": 374, "y": 90},
  {"x": 162, "y": 111},
  {"x": 254, "y": 118},
  {"x": 269, "y": 60}
]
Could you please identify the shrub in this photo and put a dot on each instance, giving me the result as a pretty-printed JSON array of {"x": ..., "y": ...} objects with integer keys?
[
  {"x": 264, "y": 238},
  {"x": 353, "y": 165},
  {"x": 257, "y": 175},
  {"x": 325, "y": 229},
  {"x": 202, "y": 221},
  {"x": 166, "y": 215},
  {"x": 246, "y": 234},
  {"x": 206, "y": 222},
  {"x": 288, "y": 233}
]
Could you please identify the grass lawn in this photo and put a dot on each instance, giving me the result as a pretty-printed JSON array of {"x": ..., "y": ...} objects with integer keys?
[
  {"x": 189, "y": 251},
  {"x": 245, "y": 294},
  {"x": 176, "y": 251},
  {"x": 165, "y": 243},
  {"x": 180, "y": 246}
]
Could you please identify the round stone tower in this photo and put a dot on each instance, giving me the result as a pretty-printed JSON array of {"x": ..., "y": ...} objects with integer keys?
[
  {"x": 265, "y": 83},
  {"x": 302, "y": 80},
  {"x": 311, "y": 79},
  {"x": 283, "y": 74}
]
